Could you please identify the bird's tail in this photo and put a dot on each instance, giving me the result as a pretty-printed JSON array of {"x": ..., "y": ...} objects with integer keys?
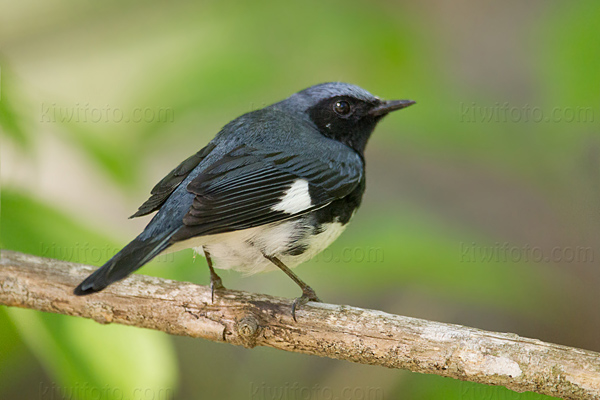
[{"x": 130, "y": 258}]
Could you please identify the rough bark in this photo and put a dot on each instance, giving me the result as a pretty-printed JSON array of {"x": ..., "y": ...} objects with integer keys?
[{"x": 340, "y": 332}]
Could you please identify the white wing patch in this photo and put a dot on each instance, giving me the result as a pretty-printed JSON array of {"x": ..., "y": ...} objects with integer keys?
[{"x": 295, "y": 199}]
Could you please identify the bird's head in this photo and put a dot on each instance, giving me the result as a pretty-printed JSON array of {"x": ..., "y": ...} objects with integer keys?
[{"x": 342, "y": 112}]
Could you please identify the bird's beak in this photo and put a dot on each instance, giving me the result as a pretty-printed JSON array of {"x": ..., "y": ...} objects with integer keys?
[{"x": 389, "y": 106}]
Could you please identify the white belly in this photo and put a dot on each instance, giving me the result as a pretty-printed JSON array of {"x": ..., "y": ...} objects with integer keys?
[{"x": 244, "y": 250}]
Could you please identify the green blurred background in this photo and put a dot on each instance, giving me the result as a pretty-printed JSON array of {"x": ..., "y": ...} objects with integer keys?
[{"x": 483, "y": 200}]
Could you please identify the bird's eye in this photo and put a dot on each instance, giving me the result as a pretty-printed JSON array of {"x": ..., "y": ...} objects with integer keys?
[{"x": 342, "y": 108}]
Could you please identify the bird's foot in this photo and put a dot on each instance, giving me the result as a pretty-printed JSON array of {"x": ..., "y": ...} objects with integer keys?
[
  {"x": 308, "y": 294},
  {"x": 215, "y": 280},
  {"x": 215, "y": 284}
]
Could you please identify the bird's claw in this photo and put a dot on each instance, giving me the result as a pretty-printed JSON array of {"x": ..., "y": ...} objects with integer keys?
[
  {"x": 215, "y": 284},
  {"x": 307, "y": 295}
]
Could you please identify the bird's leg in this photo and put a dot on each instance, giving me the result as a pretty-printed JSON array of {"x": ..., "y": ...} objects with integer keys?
[
  {"x": 215, "y": 280},
  {"x": 308, "y": 293}
]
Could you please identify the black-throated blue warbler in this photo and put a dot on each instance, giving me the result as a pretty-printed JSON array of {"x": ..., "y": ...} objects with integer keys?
[{"x": 275, "y": 187}]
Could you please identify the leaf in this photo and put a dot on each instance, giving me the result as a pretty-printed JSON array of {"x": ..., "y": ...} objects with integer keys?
[
  {"x": 83, "y": 357},
  {"x": 10, "y": 121}
]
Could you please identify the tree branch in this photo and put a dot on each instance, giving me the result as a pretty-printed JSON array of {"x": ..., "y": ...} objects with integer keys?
[{"x": 341, "y": 332}]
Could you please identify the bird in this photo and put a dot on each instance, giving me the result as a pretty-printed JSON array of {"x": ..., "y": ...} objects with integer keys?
[{"x": 275, "y": 187}]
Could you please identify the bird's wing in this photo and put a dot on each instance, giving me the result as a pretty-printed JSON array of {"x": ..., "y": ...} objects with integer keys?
[
  {"x": 249, "y": 187},
  {"x": 163, "y": 189}
]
